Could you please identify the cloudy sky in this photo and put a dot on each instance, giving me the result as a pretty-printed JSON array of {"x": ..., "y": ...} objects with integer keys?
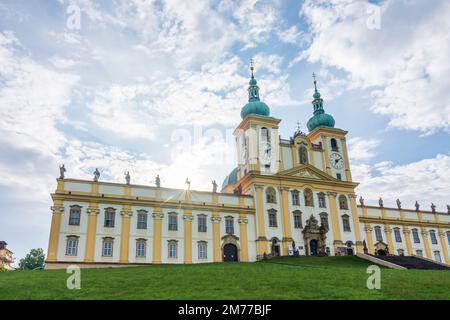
[{"x": 157, "y": 86}]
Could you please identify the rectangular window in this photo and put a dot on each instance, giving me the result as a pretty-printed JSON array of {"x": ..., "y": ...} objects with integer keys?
[
  {"x": 142, "y": 221},
  {"x": 398, "y": 237},
  {"x": 324, "y": 222},
  {"x": 415, "y": 234},
  {"x": 297, "y": 221},
  {"x": 433, "y": 237},
  {"x": 173, "y": 226},
  {"x": 272, "y": 219},
  {"x": 202, "y": 224},
  {"x": 74, "y": 217},
  {"x": 346, "y": 224},
  {"x": 448, "y": 237},
  {"x": 172, "y": 250},
  {"x": 295, "y": 199},
  {"x": 109, "y": 219},
  {"x": 419, "y": 253},
  {"x": 437, "y": 256},
  {"x": 338, "y": 176},
  {"x": 229, "y": 226},
  {"x": 378, "y": 234},
  {"x": 202, "y": 251},
  {"x": 107, "y": 248},
  {"x": 321, "y": 199},
  {"x": 140, "y": 249},
  {"x": 72, "y": 245}
]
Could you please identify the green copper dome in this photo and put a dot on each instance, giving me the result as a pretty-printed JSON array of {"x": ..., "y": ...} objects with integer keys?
[
  {"x": 254, "y": 105},
  {"x": 320, "y": 118},
  {"x": 230, "y": 179}
]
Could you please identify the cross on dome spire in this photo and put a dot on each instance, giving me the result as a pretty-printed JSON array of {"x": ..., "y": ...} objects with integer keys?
[
  {"x": 315, "y": 82},
  {"x": 252, "y": 67}
]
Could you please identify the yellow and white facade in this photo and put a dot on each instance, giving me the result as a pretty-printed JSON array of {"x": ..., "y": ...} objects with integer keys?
[{"x": 285, "y": 197}]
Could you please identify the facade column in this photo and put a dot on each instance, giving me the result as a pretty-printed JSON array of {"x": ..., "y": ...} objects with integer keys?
[
  {"x": 337, "y": 242},
  {"x": 158, "y": 216},
  {"x": 327, "y": 156},
  {"x": 261, "y": 240},
  {"x": 407, "y": 236},
  {"x": 444, "y": 246},
  {"x": 348, "y": 173},
  {"x": 426, "y": 243},
  {"x": 217, "y": 252},
  {"x": 243, "y": 221},
  {"x": 188, "y": 217},
  {"x": 92, "y": 213},
  {"x": 125, "y": 234},
  {"x": 355, "y": 217},
  {"x": 285, "y": 220},
  {"x": 388, "y": 232},
  {"x": 369, "y": 237},
  {"x": 57, "y": 212}
]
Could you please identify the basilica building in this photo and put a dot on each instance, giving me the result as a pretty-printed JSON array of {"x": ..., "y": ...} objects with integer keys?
[{"x": 291, "y": 196}]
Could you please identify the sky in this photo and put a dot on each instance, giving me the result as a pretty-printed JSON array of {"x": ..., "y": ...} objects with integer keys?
[{"x": 156, "y": 87}]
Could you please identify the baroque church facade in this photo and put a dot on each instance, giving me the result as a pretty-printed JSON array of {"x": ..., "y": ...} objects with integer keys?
[{"x": 285, "y": 197}]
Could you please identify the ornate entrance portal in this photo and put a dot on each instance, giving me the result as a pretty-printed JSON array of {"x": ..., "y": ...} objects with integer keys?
[
  {"x": 230, "y": 252},
  {"x": 315, "y": 237}
]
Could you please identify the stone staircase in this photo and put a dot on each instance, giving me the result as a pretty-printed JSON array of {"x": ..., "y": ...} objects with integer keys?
[{"x": 411, "y": 262}]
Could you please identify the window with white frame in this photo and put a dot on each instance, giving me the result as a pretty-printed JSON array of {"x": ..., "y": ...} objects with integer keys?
[
  {"x": 295, "y": 198},
  {"x": 401, "y": 252},
  {"x": 415, "y": 234},
  {"x": 72, "y": 246},
  {"x": 142, "y": 219},
  {"x": 107, "y": 247},
  {"x": 74, "y": 215},
  {"x": 272, "y": 218},
  {"x": 346, "y": 223},
  {"x": 419, "y": 253},
  {"x": 141, "y": 246},
  {"x": 437, "y": 256},
  {"x": 321, "y": 199},
  {"x": 448, "y": 237},
  {"x": 202, "y": 250},
  {"x": 397, "y": 235},
  {"x": 201, "y": 223},
  {"x": 271, "y": 195},
  {"x": 229, "y": 225},
  {"x": 378, "y": 234},
  {"x": 172, "y": 249},
  {"x": 110, "y": 214},
  {"x": 433, "y": 237},
  {"x": 173, "y": 221},
  {"x": 324, "y": 220},
  {"x": 343, "y": 203},
  {"x": 297, "y": 219}
]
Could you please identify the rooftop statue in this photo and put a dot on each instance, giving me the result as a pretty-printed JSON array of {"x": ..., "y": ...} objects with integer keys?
[
  {"x": 158, "y": 181},
  {"x": 127, "y": 177},
  {"x": 62, "y": 170},
  {"x": 96, "y": 175}
]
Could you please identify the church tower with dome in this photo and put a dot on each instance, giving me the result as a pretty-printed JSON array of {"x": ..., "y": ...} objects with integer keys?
[{"x": 285, "y": 197}]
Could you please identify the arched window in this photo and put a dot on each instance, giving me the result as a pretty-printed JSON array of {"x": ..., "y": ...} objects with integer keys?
[
  {"x": 110, "y": 215},
  {"x": 303, "y": 155},
  {"x": 378, "y": 234},
  {"x": 324, "y": 220},
  {"x": 343, "y": 204},
  {"x": 229, "y": 225},
  {"x": 172, "y": 248},
  {"x": 295, "y": 197},
  {"x": 297, "y": 219},
  {"x": 397, "y": 235},
  {"x": 74, "y": 215},
  {"x": 346, "y": 223},
  {"x": 271, "y": 196},
  {"x": 173, "y": 221},
  {"x": 142, "y": 219},
  {"x": 433, "y": 237},
  {"x": 308, "y": 194},
  {"x": 141, "y": 248},
  {"x": 265, "y": 135},
  {"x": 415, "y": 235},
  {"x": 334, "y": 145},
  {"x": 321, "y": 200},
  {"x": 272, "y": 218}
]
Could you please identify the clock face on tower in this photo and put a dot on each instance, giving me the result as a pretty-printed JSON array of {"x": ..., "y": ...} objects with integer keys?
[
  {"x": 265, "y": 152},
  {"x": 336, "y": 160}
]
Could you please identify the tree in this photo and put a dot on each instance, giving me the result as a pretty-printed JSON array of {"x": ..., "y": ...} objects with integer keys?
[{"x": 33, "y": 260}]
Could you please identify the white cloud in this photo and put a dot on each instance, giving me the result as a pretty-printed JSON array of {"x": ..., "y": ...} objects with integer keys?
[
  {"x": 269, "y": 62},
  {"x": 406, "y": 64},
  {"x": 361, "y": 149}
]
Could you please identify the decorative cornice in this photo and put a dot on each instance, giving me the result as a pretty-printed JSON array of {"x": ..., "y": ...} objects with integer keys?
[
  {"x": 387, "y": 230},
  {"x": 281, "y": 189},
  {"x": 424, "y": 232},
  {"x": 93, "y": 212},
  {"x": 216, "y": 219},
  {"x": 259, "y": 187},
  {"x": 243, "y": 221},
  {"x": 188, "y": 217},
  {"x": 334, "y": 194},
  {"x": 352, "y": 195},
  {"x": 57, "y": 209},
  {"x": 157, "y": 215},
  {"x": 126, "y": 213}
]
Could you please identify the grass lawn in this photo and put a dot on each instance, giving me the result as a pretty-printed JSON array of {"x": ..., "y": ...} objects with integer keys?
[{"x": 286, "y": 278}]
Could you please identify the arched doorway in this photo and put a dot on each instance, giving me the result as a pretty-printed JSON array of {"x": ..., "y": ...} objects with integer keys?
[
  {"x": 230, "y": 252},
  {"x": 381, "y": 252},
  {"x": 275, "y": 247},
  {"x": 313, "y": 247}
]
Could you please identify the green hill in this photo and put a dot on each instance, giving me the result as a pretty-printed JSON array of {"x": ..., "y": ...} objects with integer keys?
[{"x": 285, "y": 278}]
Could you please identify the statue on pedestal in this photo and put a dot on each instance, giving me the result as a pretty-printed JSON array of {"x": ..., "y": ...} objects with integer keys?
[
  {"x": 433, "y": 208},
  {"x": 96, "y": 175},
  {"x": 62, "y": 170},
  {"x": 380, "y": 202},
  {"x": 361, "y": 201},
  {"x": 188, "y": 184},
  {"x": 127, "y": 177},
  {"x": 214, "y": 183},
  {"x": 399, "y": 204},
  {"x": 417, "y": 205},
  {"x": 158, "y": 181}
]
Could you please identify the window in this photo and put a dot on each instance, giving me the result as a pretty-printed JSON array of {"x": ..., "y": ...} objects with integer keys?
[
  {"x": 324, "y": 220},
  {"x": 419, "y": 253},
  {"x": 398, "y": 237},
  {"x": 401, "y": 252},
  {"x": 346, "y": 223},
  {"x": 433, "y": 237},
  {"x": 142, "y": 219},
  {"x": 267, "y": 168},
  {"x": 201, "y": 223},
  {"x": 265, "y": 134},
  {"x": 295, "y": 198},
  {"x": 308, "y": 195},
  {"x": 202, "y": 250},
  {"x": 303, "y": 155},
  {"x": 229, "y": 225},
  {"x": 141, "y": 245},
  {"x": 415, "y": 234},
  {"x": 338, "y": 176},
  {"x": 448, "y": 237},
  {"x": 437, "y": 256},
  {"x": 343, "y": 204},
  {"x": 74, "y": 215},
  {"x": 378, "y": 234},
  {"x": 334, "y": 145},
  {"x": 110, "y": 214},
  {"x": 321, "y": 199},
  {"x": 107, "y": 247},
  {"x": 298, "y": 219},
  {"x": 271, "y": 196},
  {"x": 173, "y": 221},
  {"x": 272, "y": 218},
  {"x": 72, "y": 246},
  {"x": 172, "y": 248}
]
